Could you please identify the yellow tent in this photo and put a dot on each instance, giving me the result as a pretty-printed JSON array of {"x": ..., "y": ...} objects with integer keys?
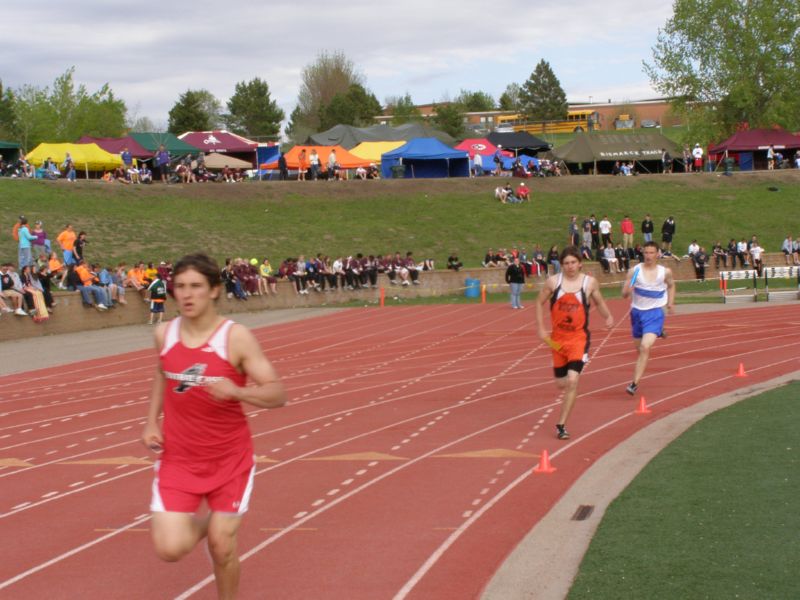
[
  {"x": 87, "y": 157},
  {"x": 372, "y": 151}
]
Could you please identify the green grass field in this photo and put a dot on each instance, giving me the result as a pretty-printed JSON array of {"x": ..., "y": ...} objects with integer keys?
[
  {"x": 712, "y": 516},
  {"x": 430, "y": 217}
]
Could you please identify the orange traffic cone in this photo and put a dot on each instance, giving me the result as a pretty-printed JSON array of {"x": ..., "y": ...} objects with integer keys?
[
  {"x": 741, "y": 372},
  {"x": 642, "y": 410},
  {"x": 544, "y": 467}
]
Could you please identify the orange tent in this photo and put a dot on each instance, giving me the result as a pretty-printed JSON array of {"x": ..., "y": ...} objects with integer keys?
[{"x": 343, "y": 157}]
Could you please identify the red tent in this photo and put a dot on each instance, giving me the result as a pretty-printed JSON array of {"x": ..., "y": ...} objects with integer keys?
[
  {"x": 480, "y": 145},
  {"x": 752, "y": 140},
  {"x": 219, "y": 141},
  {"x": 343, "y": 157},
  {"x": 116, "y": 145}
]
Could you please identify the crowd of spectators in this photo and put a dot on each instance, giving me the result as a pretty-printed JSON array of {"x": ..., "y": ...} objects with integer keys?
[{"x": 43, "y": 269}]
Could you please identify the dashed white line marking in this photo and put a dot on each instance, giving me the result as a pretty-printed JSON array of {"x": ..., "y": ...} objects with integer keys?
[
  {"x": 91, "y": 439},
  {"x": 319, "y": 502},
  {"x": 361, "y": 472},
  {"x": 372, "y": 463},
  {"x": 476, "y": 502},
  {"x": 300, "y": 515},
  {"x": 72, "y": 445},
  {"x": 395, "y": 447},
  {"x": 26, "y": 430},
  {"x": 484, "y": 491},
  {"x": 334, "y": 491},
  {"x": 76, "y": 484},
  {"x": 51, "y": 452},
  {"x": 66, "y": 419},
  {"x": 467, "y": 514},
  {"x": 23, "y": 505},
  {"x": 346, "y": 482},
  {"x": 100, "y": 474},
  {"x": 49, "y": 494},
  {"x": 43, "y": 425}
]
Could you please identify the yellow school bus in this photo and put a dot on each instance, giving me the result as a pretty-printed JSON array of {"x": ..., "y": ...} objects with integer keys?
[{"x": 577, "y": 120}]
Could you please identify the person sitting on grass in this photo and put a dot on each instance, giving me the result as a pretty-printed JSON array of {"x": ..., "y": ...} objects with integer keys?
[{"x": 523, "y": 193}]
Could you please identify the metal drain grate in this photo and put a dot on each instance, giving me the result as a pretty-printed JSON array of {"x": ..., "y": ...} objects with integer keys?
[{"x": 583, "y": 512}]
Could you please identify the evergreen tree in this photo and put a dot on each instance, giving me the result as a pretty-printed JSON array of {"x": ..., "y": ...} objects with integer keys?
[
  {"x": 189, "y": 113},
  {"x": 542, "y": 97},
  {"x": 252, "y": 112}
]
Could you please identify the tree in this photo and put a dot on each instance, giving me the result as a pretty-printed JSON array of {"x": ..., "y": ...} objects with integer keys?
[
  {"x": 195, "y": 110},
  {"x": 65, "y": 112},
  {"x": 542, "y": 97},
  {"x": 403, "y": 110},
  {"x": 449, "y": 117},
  {"x": 510, "y": 99},
  {"x": 322, "y": 80},
  {"x": 728, "y": 62},
  {"x": 7, "y": 121},
  {"x": 475, "y": 101},
  {"x": 252, "y": 112},
  {"x": 356, "y": 107}
]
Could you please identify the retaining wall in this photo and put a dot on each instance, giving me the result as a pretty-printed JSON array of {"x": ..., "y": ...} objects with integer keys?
[{"x": 70, "y": 316}]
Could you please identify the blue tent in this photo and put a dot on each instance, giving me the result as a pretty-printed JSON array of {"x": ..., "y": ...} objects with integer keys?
[{"x": 426, "y": 158}]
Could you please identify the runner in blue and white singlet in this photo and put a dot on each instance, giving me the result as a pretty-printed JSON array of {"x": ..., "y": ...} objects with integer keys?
[{"x": 651, "y": 288}]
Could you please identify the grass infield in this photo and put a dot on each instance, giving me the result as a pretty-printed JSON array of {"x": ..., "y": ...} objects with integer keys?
[
  {"x": 432, "y": 218},
  {"x": 712, "y": 516}
]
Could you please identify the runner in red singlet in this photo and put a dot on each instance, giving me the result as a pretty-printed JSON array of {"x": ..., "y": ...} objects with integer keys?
[
  {"x": 569, "y": 294},
  {"x": 206, "y": 451}
]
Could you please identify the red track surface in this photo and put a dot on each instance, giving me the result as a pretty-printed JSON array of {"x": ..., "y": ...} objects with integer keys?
[{"x": 402, "y": 467}]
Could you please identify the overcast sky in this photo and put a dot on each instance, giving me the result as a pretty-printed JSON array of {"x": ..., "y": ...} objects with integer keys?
[{"x": 151, "y": 52}]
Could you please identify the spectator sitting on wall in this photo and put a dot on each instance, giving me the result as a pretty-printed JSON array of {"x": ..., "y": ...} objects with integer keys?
[{"x": 453, "y": 263}]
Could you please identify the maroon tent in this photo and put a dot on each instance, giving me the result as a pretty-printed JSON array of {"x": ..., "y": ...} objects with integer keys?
[
  {"x": 219, "y": 141},
  {"x": 753, "y": 140},
  {"x": 116, "y": 145}
]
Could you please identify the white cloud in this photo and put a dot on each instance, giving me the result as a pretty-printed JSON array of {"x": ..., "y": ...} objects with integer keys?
[{"x": 429, "y": 49}]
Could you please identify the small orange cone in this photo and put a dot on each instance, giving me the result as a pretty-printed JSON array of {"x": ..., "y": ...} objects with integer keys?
[
  {"x": 741, "y": 371},
  {"x": 544, "y": 467},
  {"x": 642, "y": 410}
]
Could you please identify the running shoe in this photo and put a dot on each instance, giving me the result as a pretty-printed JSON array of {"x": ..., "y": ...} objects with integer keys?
[
  {"x": 631, "y": 389},
  {"x": 663, "y": 334},
  {"x": 561, "y": 432}
]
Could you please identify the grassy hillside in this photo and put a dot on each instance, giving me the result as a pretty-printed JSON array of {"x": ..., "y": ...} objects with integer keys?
[{"x": 430, "y": 217}]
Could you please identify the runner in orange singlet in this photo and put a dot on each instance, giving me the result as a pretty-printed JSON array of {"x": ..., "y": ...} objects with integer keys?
[{"x": 569, "y": 294}]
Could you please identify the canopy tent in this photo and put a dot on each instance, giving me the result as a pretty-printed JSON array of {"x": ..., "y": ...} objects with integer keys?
[
  {"x": 426, "y": 157},
  {"x": 117, "y": 145},
  {"x": 519, "y": 141},
  {"x": 349, "y": 137},
  {"x": 752, "y": 140},
  {"x": 266, "y": 153},
  {"x": 372, "y": 151},
  {"x": 89, "y": 157},
  {"x": 609, "y": 147},
  {"x": 480, "y": 146},
  {"x": 217, "y": 160},
  {"x": 345, "y": 159},
  {"x": 218, "y": 141},
  {"x": 151, "y": 140},
  {"x": 9, "y": 151}
]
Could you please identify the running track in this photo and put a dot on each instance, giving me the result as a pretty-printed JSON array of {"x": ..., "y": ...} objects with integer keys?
[{"x": 400, "y": 469}]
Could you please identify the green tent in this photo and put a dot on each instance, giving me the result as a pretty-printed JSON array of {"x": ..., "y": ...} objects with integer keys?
[
  {"x": 151, "y": 140},
  {"x": 9, "y": 150},
  {"x": 602, "y": 147}
]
